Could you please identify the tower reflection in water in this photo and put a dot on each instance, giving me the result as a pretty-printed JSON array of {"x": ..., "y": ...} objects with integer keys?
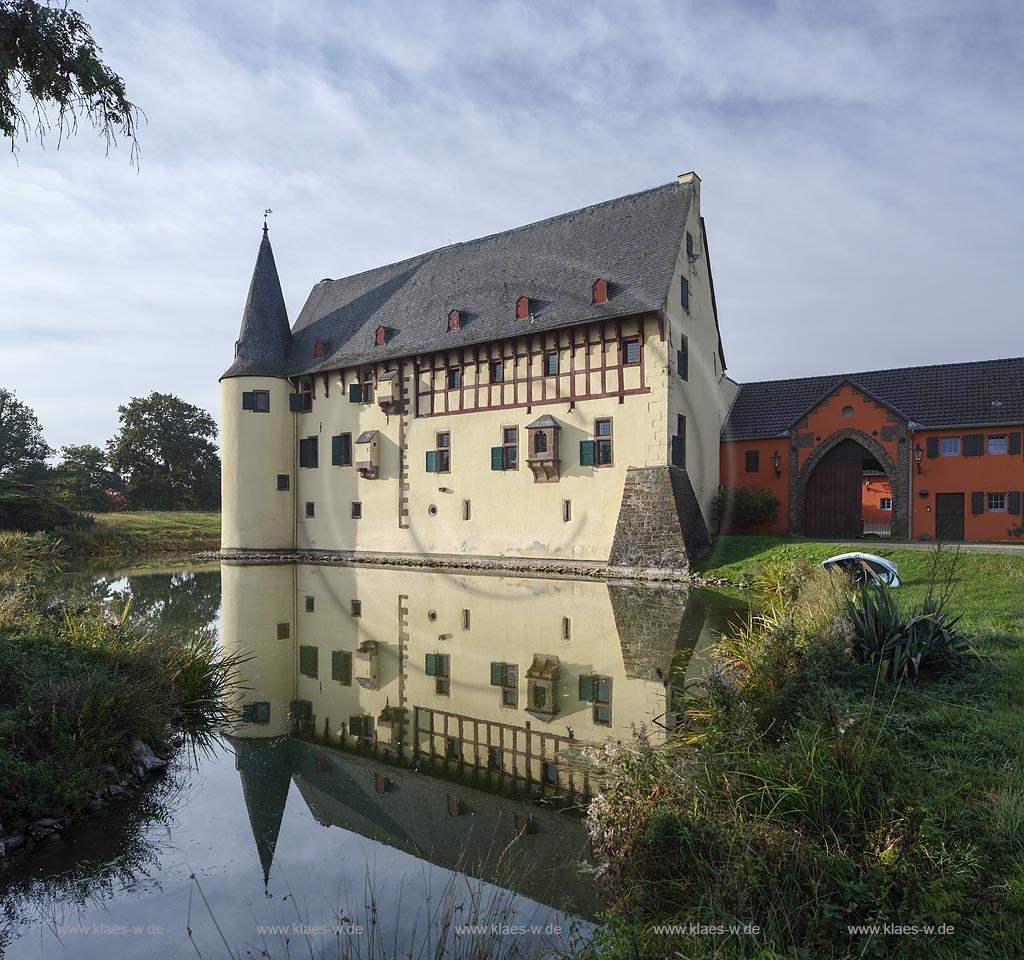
[{"x": 439, "y": 712}]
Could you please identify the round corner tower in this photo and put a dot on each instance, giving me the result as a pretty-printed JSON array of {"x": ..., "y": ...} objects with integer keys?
[{"x": 257, "y": 442}]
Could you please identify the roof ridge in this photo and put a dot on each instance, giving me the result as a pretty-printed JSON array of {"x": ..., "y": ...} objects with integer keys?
[
  {"x": 861, "y": 373},
  {"x": 503, "y": 233}
]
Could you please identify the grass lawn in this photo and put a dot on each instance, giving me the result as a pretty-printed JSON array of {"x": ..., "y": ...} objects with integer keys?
[
  {"x": 988, "y": 591},
  {"x": 148, "y": 532}
]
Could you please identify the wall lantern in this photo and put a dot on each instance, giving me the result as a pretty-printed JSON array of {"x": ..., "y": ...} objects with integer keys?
[
  {"x": 918, "y": 453},
  {"x": 776, "y": 460}
]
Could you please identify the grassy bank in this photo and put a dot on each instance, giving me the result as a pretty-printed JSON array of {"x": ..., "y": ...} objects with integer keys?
[
  {"x": 989, "y": 588},
  {"x": 119, "y": 535},
  {"x": 808, "y": 794},
  {"x": 79, "y": 687}
]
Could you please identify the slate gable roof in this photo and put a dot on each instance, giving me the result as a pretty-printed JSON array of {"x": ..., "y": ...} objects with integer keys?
[
  {"x": 264, "y": 340},
  {"x": 942, "y": 395},
  {"x": 632, "y": 242}
]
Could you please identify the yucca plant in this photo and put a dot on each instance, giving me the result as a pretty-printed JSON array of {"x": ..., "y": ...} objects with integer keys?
[{"x": 904, "y": 644}]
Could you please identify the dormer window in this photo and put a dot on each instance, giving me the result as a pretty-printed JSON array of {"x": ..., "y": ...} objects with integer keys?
[
  {"x": 523, "y": 308},
  {"x": 454, "y": 318},
  {"x": 600, "y": 291},
  {"x": 378, "y": 340},
  {"x": 238, "y": 343},
  {"x": 318, "y": 348}
]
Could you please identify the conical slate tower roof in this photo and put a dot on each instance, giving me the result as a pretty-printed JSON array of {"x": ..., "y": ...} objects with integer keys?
[
  {"x": 264, "y": 767},
  {"x": 265, "y": 338}
]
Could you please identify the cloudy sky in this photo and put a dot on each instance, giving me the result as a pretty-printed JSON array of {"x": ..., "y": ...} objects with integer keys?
[{"x": 860, "y": 166}]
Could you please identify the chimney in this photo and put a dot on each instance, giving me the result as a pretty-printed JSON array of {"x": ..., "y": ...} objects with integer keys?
[{"x": 693, "y": 179}]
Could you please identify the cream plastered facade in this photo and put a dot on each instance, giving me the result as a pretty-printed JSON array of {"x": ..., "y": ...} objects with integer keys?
[{"x": 474, "y": 621}]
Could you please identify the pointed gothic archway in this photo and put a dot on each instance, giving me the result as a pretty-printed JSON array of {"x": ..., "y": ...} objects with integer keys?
[{"x": 827, "y": 489}]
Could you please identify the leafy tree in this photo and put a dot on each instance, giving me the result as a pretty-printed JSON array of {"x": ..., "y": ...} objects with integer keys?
[
  {"x": 83, "y": 478},
  {"x": 22, "y": 447},
  {"x": 165, "y": 454},
  {"x": 47, "y": 53},
  {"x": 746, "y": 507}
]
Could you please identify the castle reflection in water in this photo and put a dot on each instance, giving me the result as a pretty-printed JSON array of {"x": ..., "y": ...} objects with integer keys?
[{"x": 416, "y": 707}]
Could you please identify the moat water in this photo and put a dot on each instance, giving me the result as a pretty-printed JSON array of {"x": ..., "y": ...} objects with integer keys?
[{"x": 411, "y": 757}]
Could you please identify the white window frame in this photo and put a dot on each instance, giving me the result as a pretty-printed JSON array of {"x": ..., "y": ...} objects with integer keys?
[
  {"x": 991, "y": 498},
  {"x": 885, "y": 503},
  {"x": 954, "y": 444},
  {"x": 999, "y": 440}
]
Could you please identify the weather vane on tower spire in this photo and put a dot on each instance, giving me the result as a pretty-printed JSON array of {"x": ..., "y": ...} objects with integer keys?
[{"x": 266, "y": 213}]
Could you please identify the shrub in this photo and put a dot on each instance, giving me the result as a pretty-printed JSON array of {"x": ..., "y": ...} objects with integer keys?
[
  {"x": 745, "y": 507},
  {"x": 29, "y": 508}
]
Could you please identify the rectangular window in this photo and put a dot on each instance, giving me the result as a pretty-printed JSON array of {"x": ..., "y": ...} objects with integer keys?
[
  {"x": 753, "y": 461},
  {"x": 284, "y": 631},
  {"x": 310, "y": 510},
  {"x": 309, "y": 452},
  {"x": 306, "y": 390},
  {"x": 256, "y": 712},
  {"x": 951, "y": 446},
  {"x": 603, "y": 442},
  {"x": 997, "y": 444},
  {"x": 309, "y": 661},
  {"x": 310, "y": 604},
  {"x": 566, "y": 511},
  {"x": 443, "y": 463},
  {"x": 261, "y": 401},
  {"x": 284, "y": 482},
  {"x": 509, "y": 448},
  {"x": 995, "y": 503},
  {"x": 631, "y": 351},
  {"x": 357, "y": 510},
  {"x": 506, "y": 676},
  {"x": 357, "y": 608},
  {"x": 689, "y": 245},
  {"x": 497, "y": 371},
  {"x": 467, "y": 509},
  {"x": 684, "y": 293},
  {"x": 683, "y": 358},
  {"x": 550, "y": 772},
  {"x": 341, "y": 450},
  {"x": 436, "y": 666},
  {"x": 452, "y": 749},
  {"x": 566, "y": 628},
  {"x": 603, "y": 700},
  {"x": 550, "y": 363},
  {"x": 454, "y": 378},
  {"x": 885, "y": 503},
  {"x": 466, "y": 616},
  {"x": 679, "y": 443},
  {"x": 341, "y": 667},
  {"x": 493, "y": 758}
]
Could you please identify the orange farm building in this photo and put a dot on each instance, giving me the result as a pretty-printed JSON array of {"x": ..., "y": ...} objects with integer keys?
[{"x": 913, "y": 453}]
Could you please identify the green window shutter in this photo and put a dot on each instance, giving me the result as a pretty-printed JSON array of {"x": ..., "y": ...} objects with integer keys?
[
  {"x": 309, "y": 661},
  {"x": 367, "y": 726},
  {"x": 587, "y": 688},
  {"x": 295, "y": 402},
  {"x": 586, "y": 453},
  {"x": 355, "y": 726},
  {"x": 677, "y": 451},
  {"x": 977, "y": 502},
  {"x": 973, "y": 445},
  {"x": 497, "y": 458},
  {"x": 336, "y": 451},
  {"x": 248, "y": 713},
  {"x": 1013, "y": 502},
  {"x": 497, "y": 671},
  {"x": 247, "y": 403},
  {"x": 430, "y": 667},
  {"x": 303, "y": 453},
  {"x": 431, "y": 461},
  {"x": 338, "y": 665},
  {"x": 369, "y": 392},
  {"x": 1013, "y": 443},
  {"x": 355, "y": 392},
  {"x": 932, "y": 443}
]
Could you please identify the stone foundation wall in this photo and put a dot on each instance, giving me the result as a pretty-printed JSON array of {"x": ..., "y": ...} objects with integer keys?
[{"x": 660, "y": 525}]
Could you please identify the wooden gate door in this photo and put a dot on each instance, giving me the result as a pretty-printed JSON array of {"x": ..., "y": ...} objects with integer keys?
[
  {"x": 949, "y": 516},
  {"x": 832, "y": 502}
]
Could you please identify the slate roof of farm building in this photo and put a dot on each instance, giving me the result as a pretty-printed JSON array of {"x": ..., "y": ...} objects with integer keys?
[
  {"x": 631, "y": 242},
  {"x": 944, "y": 395}
]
